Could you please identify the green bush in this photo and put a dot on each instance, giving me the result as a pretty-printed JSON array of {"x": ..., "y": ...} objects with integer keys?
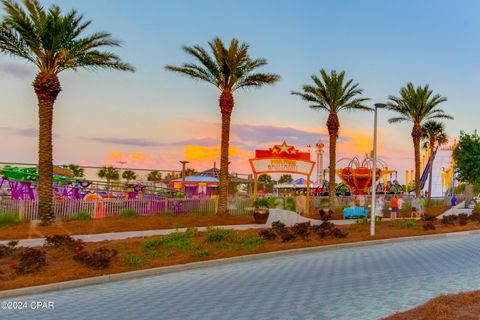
[
  {"x": 8, "y": 219},
  {"x": 218, "y": 235},
  {"x": 177, "y": 240},
  {"x": 251, "y": 242},
  {"x": 289, "y": 204},
  {"x": 364, "y": 220},
  {"x": 133, "y": 260},
  {"x": 199, "y": 253},
  {"x": 406, "y": 223},
  {"x": 128, "y": 213},
  {"x": 80, "y": 216},
  {"x": 261, "y": 202}
]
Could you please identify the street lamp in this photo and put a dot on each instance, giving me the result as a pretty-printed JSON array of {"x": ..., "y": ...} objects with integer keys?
[{"x": 374, "y": 169}]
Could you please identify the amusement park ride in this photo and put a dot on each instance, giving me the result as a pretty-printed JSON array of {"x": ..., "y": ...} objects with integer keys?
[
  {"x": 21, "y": 183},
  {"x": 357, "y": 176}
]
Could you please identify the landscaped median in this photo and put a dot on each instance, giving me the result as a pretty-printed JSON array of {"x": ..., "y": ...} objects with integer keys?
[
  {"x": 85, "y": 225},
  {"x": 461, "y": 306},
  {"x": 63, "y": 258}
]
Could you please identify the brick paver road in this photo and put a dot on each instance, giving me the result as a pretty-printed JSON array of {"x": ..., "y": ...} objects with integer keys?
[{"x": 361, "y": 283}]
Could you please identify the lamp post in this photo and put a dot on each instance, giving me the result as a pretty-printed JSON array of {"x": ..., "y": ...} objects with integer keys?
[{"x": 374, "y": 170}]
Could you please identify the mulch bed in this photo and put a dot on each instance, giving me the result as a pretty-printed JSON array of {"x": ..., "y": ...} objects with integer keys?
[{"x": 462, "y": 306}]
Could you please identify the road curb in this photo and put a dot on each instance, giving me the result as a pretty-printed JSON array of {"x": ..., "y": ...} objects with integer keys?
[{"x": 216, "y": 262}]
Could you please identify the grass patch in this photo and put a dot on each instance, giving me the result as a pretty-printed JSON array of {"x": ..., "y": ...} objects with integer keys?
[
  {"x": 80, "y": 216},
  {"x": 251, "y": 242},
  {"x": 128, "y": 213},
  {"x": 406, "y": 223},
  {"x": 177, "y": 240},
  {"x": 200, "y": 252},
  {"x": 133, "y": 260},
  {"x": 8, "y": 219},
  {"x": 217, "y": 235}
]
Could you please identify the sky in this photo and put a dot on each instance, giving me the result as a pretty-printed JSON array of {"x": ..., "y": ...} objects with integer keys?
[{"x": 154, "y": 118}]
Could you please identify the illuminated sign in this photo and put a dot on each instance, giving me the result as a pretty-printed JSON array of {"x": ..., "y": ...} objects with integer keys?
[{"x": 283, "y": 159}]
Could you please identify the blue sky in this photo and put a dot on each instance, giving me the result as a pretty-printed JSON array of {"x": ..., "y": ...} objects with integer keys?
[{"x": 154, "y": 118}]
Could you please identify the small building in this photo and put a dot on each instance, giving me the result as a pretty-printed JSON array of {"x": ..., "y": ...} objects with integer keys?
[{"x": 194, "y": 186}]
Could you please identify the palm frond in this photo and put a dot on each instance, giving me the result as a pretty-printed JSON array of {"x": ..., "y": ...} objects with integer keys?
[{"x": 53, "y": 41}]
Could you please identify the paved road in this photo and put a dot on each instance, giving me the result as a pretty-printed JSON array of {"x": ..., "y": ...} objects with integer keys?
[{"x": 362, "y": 283}]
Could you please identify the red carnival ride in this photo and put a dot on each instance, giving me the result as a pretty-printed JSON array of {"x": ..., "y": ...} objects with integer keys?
[{"x": 358, "y": 175}]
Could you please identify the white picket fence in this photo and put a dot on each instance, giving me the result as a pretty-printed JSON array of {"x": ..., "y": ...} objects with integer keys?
[{"x": 28, "y": 209}]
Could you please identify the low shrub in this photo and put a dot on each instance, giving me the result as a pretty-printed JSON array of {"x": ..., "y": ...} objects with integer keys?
[
  {"x": 406, "y": 223},
  {"x": 7, "y": 219},
  {"x": 428, "y": 225},
  {"x": 98, "y": 259},
  {"x": 217, "y": 235},
  {"x": 429, "y": 217},
  {"x": 261, "y": 202},
  {"x": 475, "y": 216},
  {"x": 268, "y": 234},
  {"x": 8, "y": 249},
  {"x": 251, "y": 242},
  {"x": 286, "y": 236},
  {"x": 133, "y": 260},
  {"x": 301, "y": 229},
  {"x": 325, "y": 215},
  {"x": 364, "y": 220},
  {"x": 200, "y": 252},
  {"x": 60, "y": 240},
  {"x": 450, "y": 219},
  {"x": 128, "y": 213},
  {"x": 30, "y": 260},
  {"x": 289, "y": 204},
  {"x": 338, "y": 233},
  {"x": 278, "y": 226},
  {"x": 177, "y": 240},
  {"x": 80, "y": 216},
  {"x": 463, "y": 219}
]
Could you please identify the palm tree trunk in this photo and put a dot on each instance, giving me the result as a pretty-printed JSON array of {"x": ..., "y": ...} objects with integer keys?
[
  {"x": 47, "y": 87},
  {"x": 430, "y": 173},
  {"x": 226, "y": 103},
  {"x": 416, "y": 135},
  {"x": 333, "y": 125}
]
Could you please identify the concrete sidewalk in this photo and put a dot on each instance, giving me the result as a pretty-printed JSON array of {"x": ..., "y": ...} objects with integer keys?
[{"x": 287, "y": 217}]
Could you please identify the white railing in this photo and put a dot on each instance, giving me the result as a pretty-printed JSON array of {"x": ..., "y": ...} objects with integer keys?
[{"x": 28, "y": 209}]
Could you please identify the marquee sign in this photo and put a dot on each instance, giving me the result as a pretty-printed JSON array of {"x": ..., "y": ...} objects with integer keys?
[{"x": 282, "y": 159}]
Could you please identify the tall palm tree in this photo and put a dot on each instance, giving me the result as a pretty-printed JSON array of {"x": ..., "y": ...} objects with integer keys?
[
  {"x": 109, "y": 173},
  {"x": 228, "y": 69},
  {"x": 333, "y": 93},
  {"x": 129, "y": 175},
  {"x": 417, "y": 105},
  {"x": 53, "y": 42},
  {"x": 434, "y": 135}
]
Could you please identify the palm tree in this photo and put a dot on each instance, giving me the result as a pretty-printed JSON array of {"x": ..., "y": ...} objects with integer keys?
[
  {"x": 154, "y": 176},
  {"x": 129, "y": 175},
  {"x": 172, "y": 176},
  {"x": 434, "y": 135},
  {"x": 53, "y": 42},
  {"x": 77, "y": 171},
  {"x": 417, "y": 105},
  {"x": 265, "y": 179},
  {"x": 285, "y": 178},
  {"x": 332, "y": 93},
  {"x": 109, "y": 173},
  {"x": 228, "y": 69}
]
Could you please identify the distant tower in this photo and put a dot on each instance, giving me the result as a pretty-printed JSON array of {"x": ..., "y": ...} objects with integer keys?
[{"x": 319, "y": 150}]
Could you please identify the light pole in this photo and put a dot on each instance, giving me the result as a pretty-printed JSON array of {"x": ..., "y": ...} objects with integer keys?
[{"x": 374, "y": 170}]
